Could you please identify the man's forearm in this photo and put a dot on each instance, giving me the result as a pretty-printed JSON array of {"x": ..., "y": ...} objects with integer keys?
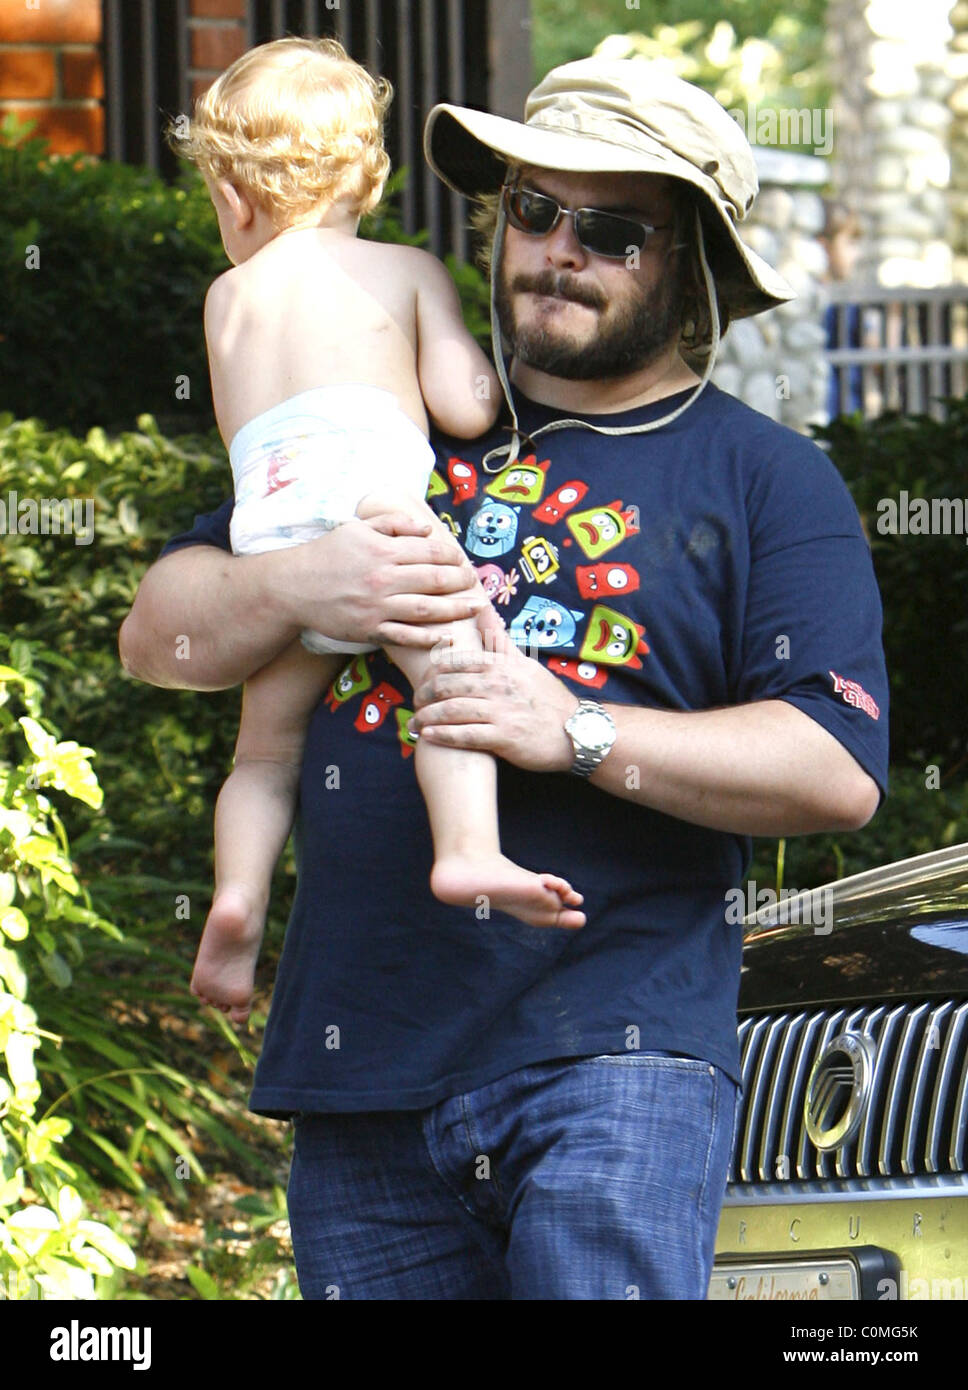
[
  {"x": 758, "y": 769},
  {"x": 203, "y": 620}
]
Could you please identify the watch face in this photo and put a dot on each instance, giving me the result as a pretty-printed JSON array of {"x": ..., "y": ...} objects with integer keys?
[{"x": 593, "y": 730}]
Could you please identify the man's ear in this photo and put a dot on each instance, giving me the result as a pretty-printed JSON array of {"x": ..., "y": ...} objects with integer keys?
[{"x": 239, "y": 204}]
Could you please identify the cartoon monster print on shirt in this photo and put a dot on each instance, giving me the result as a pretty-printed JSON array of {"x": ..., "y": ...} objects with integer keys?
[
  {"x": 606, "y": 578},
  {"x": 408, "y": 741},
  {"x": 376, "y": 707},
  {"x": 352, "y": 680},
  {"x": 544, "y": 623},
  {"x": 463, "y": 480},
  {"x": 436, "y": 487},
  {"x": 598, "y": 529},
  {"x": 560, "y": 502},
  {"x": 492, "y": 530},
  {"x": 613, "y": 639},
  {"x": 539, "y": 560},
  {"x": 584, "y": 672},
  {"x": 523, "y": 482}
]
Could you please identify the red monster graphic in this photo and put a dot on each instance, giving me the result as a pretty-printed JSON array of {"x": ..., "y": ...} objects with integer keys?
[
  {"x": 463, "y": 480},
  {"x": 595, "y": 580},
  {"x": 584, "y": 672},
  {"x": 556, "y": 506},
  {"x": 376, "y": 707}
]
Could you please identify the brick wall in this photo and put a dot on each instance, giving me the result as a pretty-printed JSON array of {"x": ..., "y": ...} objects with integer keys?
[
  {"x": 50, "y": 70},
  {"x": 217, "y": 36}
]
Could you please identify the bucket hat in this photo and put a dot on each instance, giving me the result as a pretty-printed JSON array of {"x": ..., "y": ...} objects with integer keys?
[{"x": 622, "y": 115}]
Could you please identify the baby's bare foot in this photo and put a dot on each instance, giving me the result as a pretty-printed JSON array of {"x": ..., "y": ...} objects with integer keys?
[
  {"x": 224, "y": 974},
  {"x": 494, "y": 881}
]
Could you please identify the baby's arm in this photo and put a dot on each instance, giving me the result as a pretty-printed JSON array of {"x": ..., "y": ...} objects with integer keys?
[{"x": 459, "y": 386}]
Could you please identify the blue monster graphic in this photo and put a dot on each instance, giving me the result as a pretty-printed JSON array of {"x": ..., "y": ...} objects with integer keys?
[
  {"x": 544, "y": 623},
  {"x": 492, "y": 530}
]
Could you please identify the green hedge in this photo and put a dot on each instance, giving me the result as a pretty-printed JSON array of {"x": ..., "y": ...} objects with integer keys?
[
  {"x": 103, "y": 279},
  {"x": 923, "y": 578},
  {"x": 138, "y": 1084},
  {"x": 923, "y": 581}
]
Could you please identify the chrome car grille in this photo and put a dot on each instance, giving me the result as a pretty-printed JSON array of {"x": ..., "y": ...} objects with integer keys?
[{"x": 915, "y": 1121}]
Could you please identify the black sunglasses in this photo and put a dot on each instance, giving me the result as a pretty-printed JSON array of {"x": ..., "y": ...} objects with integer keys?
[{"x": 602, "y": 233}]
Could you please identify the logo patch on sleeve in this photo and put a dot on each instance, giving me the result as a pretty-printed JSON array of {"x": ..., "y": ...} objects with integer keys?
[{"x": 853, "y": 694}]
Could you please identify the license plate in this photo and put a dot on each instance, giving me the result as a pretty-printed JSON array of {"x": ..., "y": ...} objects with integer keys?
[{"x": 801, "y": 1281}]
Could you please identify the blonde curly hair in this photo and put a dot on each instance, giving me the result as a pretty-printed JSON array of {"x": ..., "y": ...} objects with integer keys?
[{"x": 297, "y": 123}]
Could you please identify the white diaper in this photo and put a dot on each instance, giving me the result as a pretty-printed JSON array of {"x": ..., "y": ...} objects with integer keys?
[{"x": 302, "y": 468}]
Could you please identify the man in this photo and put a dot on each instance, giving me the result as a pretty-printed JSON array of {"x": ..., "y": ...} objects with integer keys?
[{"x": 484, "y": 1109}]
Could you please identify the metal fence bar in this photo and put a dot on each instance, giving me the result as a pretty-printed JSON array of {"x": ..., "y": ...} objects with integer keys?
[
  {"x": 475, "y": 54},
  {"x": 149, "y": 84},
  {"x": 114, "y": 76},
  {"x": 432, "y": 187},
  {"x": 182, "y": 49},
  {"x": 910, "y": 346},
  {"x": 404, "y": 111},
  {"x": 374, "y": 59},
  {"x": 456, "y": 94}
]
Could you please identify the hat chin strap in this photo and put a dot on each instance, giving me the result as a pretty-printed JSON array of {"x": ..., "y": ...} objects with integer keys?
[{"x": 506, "y": 454}]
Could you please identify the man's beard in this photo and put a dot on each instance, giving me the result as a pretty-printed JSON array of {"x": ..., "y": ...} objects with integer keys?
[{"x": 630, "y": 340}]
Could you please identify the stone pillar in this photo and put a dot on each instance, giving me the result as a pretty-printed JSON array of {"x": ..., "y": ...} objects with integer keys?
[
  {"x": 890, "y": 75},
  {"x": 775, "y": 361},
  {"x": 958, "y": 140}
]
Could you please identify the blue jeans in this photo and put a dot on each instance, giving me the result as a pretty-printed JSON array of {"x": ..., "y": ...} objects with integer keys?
[{"x": 590, "y": 1178}]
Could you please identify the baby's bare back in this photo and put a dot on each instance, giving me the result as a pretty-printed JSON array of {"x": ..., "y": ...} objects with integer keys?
[{"x": 314, "y": 308}]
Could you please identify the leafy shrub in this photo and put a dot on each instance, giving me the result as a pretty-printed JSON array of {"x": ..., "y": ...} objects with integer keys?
[
  {"x": 122, "y": 264},
  {"x": 46, "y": 1240},
  {"x": 130, "y": 1082},
  {"x": 740, "y": 50},
  {"x": 915, "y": 819},
  {"x": 923, "y": 578}
]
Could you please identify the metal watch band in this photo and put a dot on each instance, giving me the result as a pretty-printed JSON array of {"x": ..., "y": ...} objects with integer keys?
[
  {"x": 585, "y": 763},
  {"x": 587, "y": 759}
]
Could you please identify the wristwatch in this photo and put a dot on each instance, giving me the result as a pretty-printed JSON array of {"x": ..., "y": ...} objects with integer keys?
[{"x": 592, "y": 732}]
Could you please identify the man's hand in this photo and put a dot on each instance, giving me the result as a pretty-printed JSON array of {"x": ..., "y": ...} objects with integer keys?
[
  {"x": 204, "y": 619},
  {"x": 759, "y": 769},
  {"x": 497, "y": 701},
  {"x": 392, "y": 579}
]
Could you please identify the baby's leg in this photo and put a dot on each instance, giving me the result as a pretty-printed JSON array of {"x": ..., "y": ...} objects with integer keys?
[
  {"x": 253, "y": 817},
  {"x": 459, "y": 787}
]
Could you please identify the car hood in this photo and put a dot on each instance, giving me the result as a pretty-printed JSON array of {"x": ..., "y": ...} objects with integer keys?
[{"x": 894, "y": 932}]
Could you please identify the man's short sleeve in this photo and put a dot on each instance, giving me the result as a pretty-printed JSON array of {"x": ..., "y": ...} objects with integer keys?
[
  {"x": 212, "y": 528},
  {"x": 812, "y": 630}
]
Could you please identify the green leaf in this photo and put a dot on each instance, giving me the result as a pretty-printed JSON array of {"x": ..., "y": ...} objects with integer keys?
[
  {"x": 202, "y": 1282},
  {"x": 14, "y": 924},
  {"x": 56, "y": 969},
  {"x": 109, "y": 1244}
]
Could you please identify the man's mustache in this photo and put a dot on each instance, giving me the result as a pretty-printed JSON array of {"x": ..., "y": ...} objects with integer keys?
[{"x": 561, "y": 286}]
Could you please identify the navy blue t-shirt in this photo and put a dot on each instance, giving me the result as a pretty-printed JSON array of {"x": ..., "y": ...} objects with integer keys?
[{"x": 717, "y": 561}]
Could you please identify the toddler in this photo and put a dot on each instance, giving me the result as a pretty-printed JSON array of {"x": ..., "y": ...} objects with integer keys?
[{"x": 327, "y": 352}]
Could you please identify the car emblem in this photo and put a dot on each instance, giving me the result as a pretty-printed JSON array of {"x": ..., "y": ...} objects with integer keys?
[{"x": 838, "y": 1090}]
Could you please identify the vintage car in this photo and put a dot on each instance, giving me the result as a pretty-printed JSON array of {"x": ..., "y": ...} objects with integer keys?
[{"x": 849, "y": 1175}]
